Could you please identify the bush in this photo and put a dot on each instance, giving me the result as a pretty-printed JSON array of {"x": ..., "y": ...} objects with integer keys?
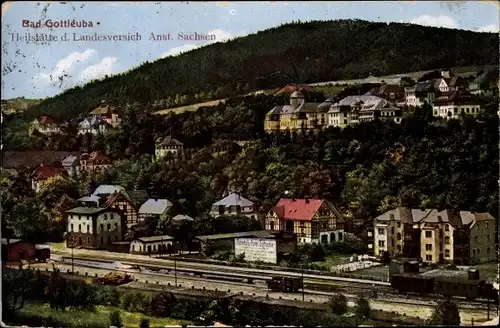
[
  {"x": 144, "y": 323},
  {"x": 126, "y": 300},
  {"x": 162, "y": 304},
  {"x": 446, "y": 314},
  {"x": 363, "y": 308},
  {"x": 338, "y": 304},
  {"x": 115, "y": 319}
]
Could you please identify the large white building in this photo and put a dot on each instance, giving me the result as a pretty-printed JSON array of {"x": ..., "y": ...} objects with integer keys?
[
  {"x": 358, "y": 109},
  {"x": 456, "y": 103}
]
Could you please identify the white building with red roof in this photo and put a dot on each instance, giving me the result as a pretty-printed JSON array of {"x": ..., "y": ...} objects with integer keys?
[
  {"x": 45, "y": 125},
  {"x": 313, "y": 220}
]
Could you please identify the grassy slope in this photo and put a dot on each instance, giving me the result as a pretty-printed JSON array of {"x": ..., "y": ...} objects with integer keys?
[{"x": 101, "y": 315}]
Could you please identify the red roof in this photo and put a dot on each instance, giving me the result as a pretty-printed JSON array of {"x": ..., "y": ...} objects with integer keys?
[
  {"x": 46, "y": 120},
  {"x": 298, "y": 209},
  {"x": 46, "y": 172}
]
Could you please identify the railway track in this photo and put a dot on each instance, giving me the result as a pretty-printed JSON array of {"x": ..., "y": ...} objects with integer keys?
[
  {"x": 235, "y": 271},
  {"x": 353, "y": 290}
]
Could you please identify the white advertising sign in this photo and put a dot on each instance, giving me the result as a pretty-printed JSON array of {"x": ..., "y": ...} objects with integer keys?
[{"x": 256, "y": 249}]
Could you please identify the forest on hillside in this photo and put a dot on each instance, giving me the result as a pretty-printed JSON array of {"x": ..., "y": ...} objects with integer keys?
[
  {"x": 296, "y": 52},
  {"x": 365, "y": 170}
]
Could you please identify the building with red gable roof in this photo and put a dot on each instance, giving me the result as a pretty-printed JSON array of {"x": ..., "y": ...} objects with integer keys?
[
  {"x": 45, "y": 125},
  {"x": 313, "y": 220},
  {"x": 122, "y": 201},
  {"x": 96, "y": 160},
  {"x": 42, "y": 173}
]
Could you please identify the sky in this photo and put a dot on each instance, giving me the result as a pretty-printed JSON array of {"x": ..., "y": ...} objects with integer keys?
[{"x": 44, "y": 69}]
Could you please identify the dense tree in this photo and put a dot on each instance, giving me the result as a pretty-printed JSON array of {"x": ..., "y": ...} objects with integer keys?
[{"x": 446, "y": 313}]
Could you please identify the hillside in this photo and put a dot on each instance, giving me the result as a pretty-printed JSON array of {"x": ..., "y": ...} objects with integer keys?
[
  {"x": 297, "y": 52},
  {"x": 16, "y": 105}
]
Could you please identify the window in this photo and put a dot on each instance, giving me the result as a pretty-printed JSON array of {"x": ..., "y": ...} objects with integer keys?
[
  {"x": 473, "y": 252},
  {"x": 88, "y": 240},
  {"x": 324, "y": 239},
  {"x": 102, "y": 227},
  {"x": 381, "y": 231},
  {"x": 332, "y": 237},
  {"x": 446, "y": 253},
  {"x": 446, "y": 227},
  {"x": 399, "y": 224},
  {"x": 428, "y": 247},
  {"x": 109, "y": 227},
  {"x": 428, "y": 257},
  {"x": 88, "y": 228},
  {"x": 478, "y": 251},
  {"x": 392, "y": 242},
  {"x": 105, "y": 216},
  {"x": 381, "y": 243},
  {"x": 72, "y": 227},
  {"x": 340, "y": 236},
  {"x": 399, "y": 236},
  {"x": 446, "y": 240},
  {"x": 271, "y": 225},
  {"x": 488, "y": 251},
  {"x": 79, "y": 228},
  {"x": 102, "y": 240},
  {"x": 345, "y": 121},
  {"x": 391, "y": 217},
  {"x": 428, "y": 234},
  {"x": 370, "y": 234},
  {"x": 116, "y": 226},
  {"x": 486, "y": 225},
  {"x": 392, "y": 230}
]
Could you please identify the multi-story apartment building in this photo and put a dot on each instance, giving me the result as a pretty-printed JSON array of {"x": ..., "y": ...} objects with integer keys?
[
  {"x": 313, "y": 220},
  {"x": 234, "y": 204},
  {"x": 357, "y": 109},
  {"x": 456, "y": 103},
  {"x": 434, "y": 236},
  {"x": 299, "y": 115},
  {"x": 94, "y": 227},
  {"x": 45, "y": 125}
]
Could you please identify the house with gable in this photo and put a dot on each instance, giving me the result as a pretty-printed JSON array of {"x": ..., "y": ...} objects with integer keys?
[
  {"x": 45, "y": 125},
  {"x": 121, "y": 200},
  {"x": 485, "y": 83},
  {"x": 167, "y": 145},
  {"x": 42, "y": 174},
  {"x": 71, "y": 164},
  {"x": 154, "y": 208},
  {"x": 96, "y": 160},
  {"x": 234, "y": 204},
  {"x": 93, "y": 125},
  {"x": 107, "y": 113},
  {"x": 313, "y": 220},
  {"x": 421, "y": 93}
]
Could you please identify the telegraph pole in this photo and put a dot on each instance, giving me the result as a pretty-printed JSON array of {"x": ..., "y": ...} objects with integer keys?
[
  {"x": 175, "y": 267},
  {"x": 72, "y": 258}
]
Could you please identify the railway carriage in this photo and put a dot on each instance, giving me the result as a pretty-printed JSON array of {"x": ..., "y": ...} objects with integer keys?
[
  {"x": 412, "y": 283},
  {"x": 470, "y": 289}
]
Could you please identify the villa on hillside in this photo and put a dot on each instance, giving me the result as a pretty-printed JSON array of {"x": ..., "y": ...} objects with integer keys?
[
  {"x": 390, "y": 92},
  {"x": 96, "y": 160},
  {"x": 298, "y": 116},
  {"x": 43, "y": 173},
  {"x": 107, "y": 113},
  {"x": 93, "y": 125},
  {"x": 167, "y": 145},
  {"x": 420, "y": 93},
  {"x": 358, "y": 109},
  {"x": 45, "y": 125},
  {"x": 456, "y": 103}
]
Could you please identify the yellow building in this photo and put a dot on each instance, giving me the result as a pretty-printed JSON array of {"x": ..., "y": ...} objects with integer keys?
[
  {"x": 299, "y": 115},
  {"x": 313, "y": 220},
  {"x": 45, "y": 125},
  {"x": 434, "y": 236}
]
